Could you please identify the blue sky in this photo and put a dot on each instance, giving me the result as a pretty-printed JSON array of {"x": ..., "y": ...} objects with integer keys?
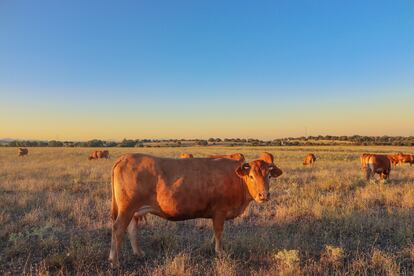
[{"x": 197, "y": 68}]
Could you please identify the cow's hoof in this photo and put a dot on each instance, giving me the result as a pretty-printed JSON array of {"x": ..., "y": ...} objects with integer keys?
[
  {"x": 140, "y": 254},
  {"x": 114, "y": 265},
  {"x": 220, "y": 253}
]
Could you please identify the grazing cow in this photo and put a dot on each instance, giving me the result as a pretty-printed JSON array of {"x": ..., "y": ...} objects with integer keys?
[
  {"x": 380, "y": 164},
  {"x": 235, "y": 156},
  {"x": 23, "y": 151},
  {"x": 98, "y": 154},
  {"x": 93, "y": 155},
  {"x": 181, "y": 189},
  {"x": 405, "y": 158},
  {"x": 394, "y": 159},
  {"x": 103, "y": 154},
  {"x": 309, "y": 159},
  {"x": 186, "y": 155}
]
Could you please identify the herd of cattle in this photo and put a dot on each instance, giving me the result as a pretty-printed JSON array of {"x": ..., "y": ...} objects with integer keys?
[
  {"x": 218, "y": 187},
  {"x": 371, "y": 163},
  {"x": 382, "y": 164}
]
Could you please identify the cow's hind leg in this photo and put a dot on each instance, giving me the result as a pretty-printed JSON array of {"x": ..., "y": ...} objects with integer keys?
[
  {"x": 368, "y": 172},
  {"x": 118, "y": 231},
  {"x": 132, "y": 235}
]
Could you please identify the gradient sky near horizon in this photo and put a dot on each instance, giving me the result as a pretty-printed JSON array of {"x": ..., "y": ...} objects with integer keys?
[{"x": 76, "y": 70}]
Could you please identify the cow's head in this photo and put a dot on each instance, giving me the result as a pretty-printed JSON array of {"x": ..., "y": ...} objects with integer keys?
[{"x": 256, "y": 174}]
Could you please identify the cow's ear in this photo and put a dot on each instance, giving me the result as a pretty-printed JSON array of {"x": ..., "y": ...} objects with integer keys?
[
  {"x": 275, "y": 171},
  {"x": 243, "y": 170},
  {"x": 267, "y": 157}
]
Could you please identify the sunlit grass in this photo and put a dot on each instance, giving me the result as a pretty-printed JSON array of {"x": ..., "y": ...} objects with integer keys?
[{"x": 54, "y": 216}]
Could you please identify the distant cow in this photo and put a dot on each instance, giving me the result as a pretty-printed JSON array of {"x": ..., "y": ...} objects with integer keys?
[
  {"x": 182, "y": 189},
  {"x": 394, "y": 159},
  {"x": 103, "y": 154},
  {"x": 405, "y": 158},
  {"x": 364, "y": 158},
  {"x": 186, "y": 155},
  {"x": 379, "y": 164},
  {"x": 309, "y": 159},
  {"x": 98, "y": 154},
  {"x": 235, "y": 156},
  {"x": 23, "y": 151}
]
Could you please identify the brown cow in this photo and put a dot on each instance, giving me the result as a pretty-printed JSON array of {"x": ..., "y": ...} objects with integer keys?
[
  {"x": 23, "y": 151},
  {"x": 380, "y": 164},
  {"x": 103, "y": 154},
  {"x": 98, "y": 154},
  {"x": 186, "y": 155},
  {"x": 235, "y": 156},
  {"x": 93, "y": 155},
  {"x": 181, "y": 189},
  {"x": 405, "y": 158},
  {"x": 394, "y": 159},
  {"x": 309, "y": 159}
]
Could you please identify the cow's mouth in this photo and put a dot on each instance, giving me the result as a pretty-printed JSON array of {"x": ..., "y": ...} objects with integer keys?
[{"x": 262, "y": 200}]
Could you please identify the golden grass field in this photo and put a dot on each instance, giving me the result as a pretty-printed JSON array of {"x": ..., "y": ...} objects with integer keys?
[{"x": 55, "y": 217}]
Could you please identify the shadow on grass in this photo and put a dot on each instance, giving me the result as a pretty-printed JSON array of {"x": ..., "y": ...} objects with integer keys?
[{"x": 252, "y": 246}]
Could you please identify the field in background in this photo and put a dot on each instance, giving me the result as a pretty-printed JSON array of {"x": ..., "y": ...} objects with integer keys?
[{"x": 54, "y": 216}]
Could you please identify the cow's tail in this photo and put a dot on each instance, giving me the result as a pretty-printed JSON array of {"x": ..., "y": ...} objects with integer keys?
[{"x": 114, "y": 207}]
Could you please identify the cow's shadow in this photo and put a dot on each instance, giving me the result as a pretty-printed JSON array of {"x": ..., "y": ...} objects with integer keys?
[
  {"x": 249, "y": 243},
  {"x": 248, "y": 240}
]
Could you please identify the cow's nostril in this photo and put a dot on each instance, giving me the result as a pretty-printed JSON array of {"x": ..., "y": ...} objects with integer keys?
[{"x": 264, "y": 195}]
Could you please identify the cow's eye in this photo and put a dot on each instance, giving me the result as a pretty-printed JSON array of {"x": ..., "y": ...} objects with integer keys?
[
  {"x": 269, "y": 176},
  {"x": 251, "y": 176}
]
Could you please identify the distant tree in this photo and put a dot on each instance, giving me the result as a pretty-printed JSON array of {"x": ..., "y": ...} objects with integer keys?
[
  {"x": 127, "y": 143},
  {"x": 110, "y": 144},
  {"x": 95, "y": 143},
  {"x": 54, "y": 143},
  {"x": 202, "y": 143},
  {"x": 12, "y": 144}
]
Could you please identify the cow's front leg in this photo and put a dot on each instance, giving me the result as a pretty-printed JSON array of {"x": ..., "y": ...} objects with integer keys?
[{"x": 218, "y": 226}]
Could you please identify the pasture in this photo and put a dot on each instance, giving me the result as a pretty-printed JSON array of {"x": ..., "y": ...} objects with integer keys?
[{"x": 55, "y": 217}]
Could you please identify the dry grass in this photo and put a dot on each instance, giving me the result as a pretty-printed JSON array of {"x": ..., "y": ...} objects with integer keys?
[{"x": 54, "y": 217}]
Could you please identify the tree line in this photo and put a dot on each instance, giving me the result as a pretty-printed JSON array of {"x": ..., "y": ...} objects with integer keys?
[{"x": 289, "y": 141}]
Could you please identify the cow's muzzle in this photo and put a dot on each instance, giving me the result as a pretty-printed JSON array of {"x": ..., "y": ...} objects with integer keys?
[{"x": 263, "y": 197}]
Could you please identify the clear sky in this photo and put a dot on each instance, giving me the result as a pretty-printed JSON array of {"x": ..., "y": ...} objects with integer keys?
[{"x": 197, "y": 69}]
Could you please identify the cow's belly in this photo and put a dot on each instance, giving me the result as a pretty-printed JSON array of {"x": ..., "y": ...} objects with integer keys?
[
  {"x": 184, "y": 208},
  {"x": 380, "y": 170}
]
